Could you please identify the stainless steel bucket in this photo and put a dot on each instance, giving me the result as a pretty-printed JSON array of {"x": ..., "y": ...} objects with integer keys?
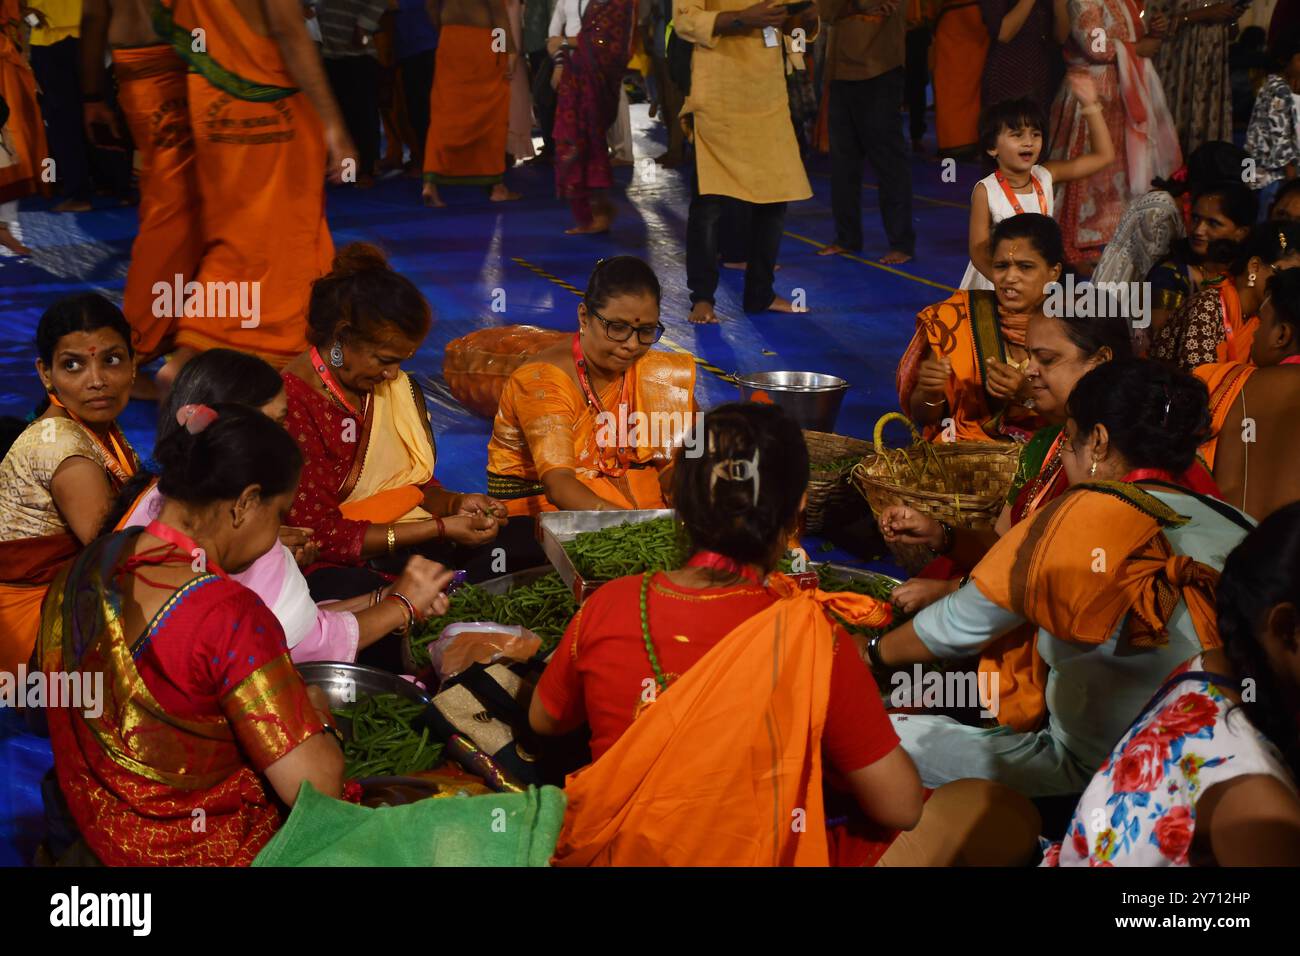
[{"x": 810, "y": 398}]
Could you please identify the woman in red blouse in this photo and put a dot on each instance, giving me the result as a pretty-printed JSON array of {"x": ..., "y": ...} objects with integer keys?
[
  {"x": 205, "y": 716},
  {"x": 624, "y": 653},
  {"x": 368, "y": 492}
]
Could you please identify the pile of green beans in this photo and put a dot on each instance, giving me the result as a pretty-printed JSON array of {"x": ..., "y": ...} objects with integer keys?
[
  {"x": 627, "y": 549},
  {"x": 544, "y": 607},
  {"x": 383, "y": 743}
]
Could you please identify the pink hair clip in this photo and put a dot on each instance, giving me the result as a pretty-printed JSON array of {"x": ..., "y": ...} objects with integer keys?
[{"x": 195, "y": 418}]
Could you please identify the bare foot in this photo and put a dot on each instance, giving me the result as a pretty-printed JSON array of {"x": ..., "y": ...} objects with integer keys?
[
  {"x": 73, "y": 205},
  {"x": 598, "y": 224},
  {"x": 10, "y": 241},
  {"x": 431, "y": 198},
  {"x": 833, "y": 250},
  {"x": 895, "y": 258},
  {"x": 501, "y": 194},
  {"x": 670, "y": 160},
  {"x": 780, "y": 304},
  {"x": 702, "y": 314}
]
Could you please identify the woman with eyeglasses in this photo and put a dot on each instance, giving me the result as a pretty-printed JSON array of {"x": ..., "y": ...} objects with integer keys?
[
  {"x": 590, "y": 425},
  {"x": 1218, "y": 323}
]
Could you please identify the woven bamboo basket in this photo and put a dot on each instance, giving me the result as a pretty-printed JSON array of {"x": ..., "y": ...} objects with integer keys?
[
  {"x": 964, "y": 483},
  {"x": 828, "y": 477}
]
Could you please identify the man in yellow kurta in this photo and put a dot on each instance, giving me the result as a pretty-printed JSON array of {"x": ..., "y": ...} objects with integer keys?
[{"x": 738, "y": 117}]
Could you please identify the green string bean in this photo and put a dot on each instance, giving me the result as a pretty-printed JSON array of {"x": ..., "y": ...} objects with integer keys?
[{"x": 383, "y": 743}]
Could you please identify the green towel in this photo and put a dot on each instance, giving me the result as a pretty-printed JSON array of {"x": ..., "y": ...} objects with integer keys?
[{"x": 500, "y": 829}]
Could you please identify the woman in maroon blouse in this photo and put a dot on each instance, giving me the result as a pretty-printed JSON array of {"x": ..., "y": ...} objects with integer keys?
[{"x": 368, "y": 493}]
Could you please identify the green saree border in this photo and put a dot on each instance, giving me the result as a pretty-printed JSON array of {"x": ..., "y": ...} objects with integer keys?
[{"x": 176, "y": 36}]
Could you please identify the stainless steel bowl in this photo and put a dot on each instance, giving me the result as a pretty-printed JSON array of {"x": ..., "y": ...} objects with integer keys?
[
  {"x": 812, "y": 399},
  {"x": 345, "y": 684}
]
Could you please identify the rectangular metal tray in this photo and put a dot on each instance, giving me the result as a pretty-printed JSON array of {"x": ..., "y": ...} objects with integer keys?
[{"x": 554, "y": 528}]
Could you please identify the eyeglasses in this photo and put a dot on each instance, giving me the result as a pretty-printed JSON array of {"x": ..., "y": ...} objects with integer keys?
[{"x": 622, "y": 331}]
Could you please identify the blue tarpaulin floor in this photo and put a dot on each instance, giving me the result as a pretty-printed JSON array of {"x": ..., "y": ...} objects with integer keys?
[{"x": 474, "y": 255}]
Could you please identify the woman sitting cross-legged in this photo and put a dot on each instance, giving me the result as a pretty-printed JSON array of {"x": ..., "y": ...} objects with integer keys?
[
  {"x": 1207, "y": 773},
  {"x": 335, "y": 631},
  {"x": 368, "y": 492},
  {"x": 590, "y": 425},
  {"x": 208, "y": 719},
  {"x": 63, "y": 472},
  {"x": 1062, "y": 349},
  {"x": 733, "y": 722},
  {"x": 1116, "y": 575},
  {"x": 966, "y": 361}
]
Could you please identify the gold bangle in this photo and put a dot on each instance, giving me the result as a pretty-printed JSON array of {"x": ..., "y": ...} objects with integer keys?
[{"x": 392, "y": 539}]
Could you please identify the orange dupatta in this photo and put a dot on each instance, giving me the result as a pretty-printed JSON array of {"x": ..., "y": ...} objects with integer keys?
[
  {"x": 1238, "y": 336},
  {"x": 1225, "y": 381},
  {"x": 717, "y": 771},
  {"x": 967, "y": 328},
  {"x": 1092, "y": 556}
]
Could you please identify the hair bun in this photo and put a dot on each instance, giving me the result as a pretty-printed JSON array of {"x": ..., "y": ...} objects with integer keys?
[{"x": 359, "y": 257}]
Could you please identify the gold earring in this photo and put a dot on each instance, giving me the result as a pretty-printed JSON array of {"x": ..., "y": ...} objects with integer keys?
[
  {"x": 1093, "y": 470},
  {"x": 1251, "y": 280}
]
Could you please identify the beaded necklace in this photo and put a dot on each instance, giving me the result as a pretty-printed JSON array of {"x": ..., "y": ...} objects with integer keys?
[{"x": 703, "y": 559}]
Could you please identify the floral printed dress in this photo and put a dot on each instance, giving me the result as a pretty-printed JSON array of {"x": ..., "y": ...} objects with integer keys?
[{"x": 1140, "y": 808}]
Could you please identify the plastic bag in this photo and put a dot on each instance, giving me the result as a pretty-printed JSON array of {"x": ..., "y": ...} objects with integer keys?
[{"x": 480, "y": 642}]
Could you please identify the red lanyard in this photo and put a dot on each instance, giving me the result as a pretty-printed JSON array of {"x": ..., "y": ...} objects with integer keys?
[
  {"x": 1290, "y": 360},
  {"x": 1011, "y": 195},
  {"x": 720, "y": 562},
  {"x": 117, "y": 458},
  {"x": 330, "y": 384},
  {"x": 622, "y": 458},
  {"x": 182, "y": 541}
]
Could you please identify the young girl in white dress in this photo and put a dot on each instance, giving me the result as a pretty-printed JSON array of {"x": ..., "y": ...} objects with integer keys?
[{"x": 1011, "y": 133}]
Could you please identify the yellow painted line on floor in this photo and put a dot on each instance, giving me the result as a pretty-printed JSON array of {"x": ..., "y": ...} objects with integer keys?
[
  {"x": 875, "y": 265},
  {"x": 666, "y": 342}
]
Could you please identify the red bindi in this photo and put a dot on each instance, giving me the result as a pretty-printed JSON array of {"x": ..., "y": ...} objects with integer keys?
[{"x": 93, "y": 350}]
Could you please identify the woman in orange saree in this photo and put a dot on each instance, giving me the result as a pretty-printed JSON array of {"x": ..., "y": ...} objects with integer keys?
[
  {"x": 1061, "y": 351},
  {"x": 967, "y": 358},
  {"x": 62, "y": 474},
  {"x": 1117, "y": 577},
  {"x": 590, "y": 424},
  {"x": 1218, "y": 323},
  {"x": 755, "y": 735},
  {"x": 192, "y": 729}
]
